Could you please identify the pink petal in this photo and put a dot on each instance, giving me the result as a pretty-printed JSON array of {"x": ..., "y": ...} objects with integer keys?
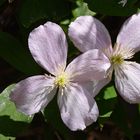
[
  {"x": 127, "y": 80},
  {"x": 33, "y": 94},
  {"x": 129, "y": 35},
  {"x": 95, "y": 86},
  {"x": 98, "y": 85},
  {"x": 87, "y": 33},
  {"x": 48, "y": 46},
  {"x": 77, "y": 106},
  {"x": 92, "y": 65}
]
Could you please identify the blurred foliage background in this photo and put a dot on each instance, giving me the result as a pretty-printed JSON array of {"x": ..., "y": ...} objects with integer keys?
[{"x": 118, "y": 120}]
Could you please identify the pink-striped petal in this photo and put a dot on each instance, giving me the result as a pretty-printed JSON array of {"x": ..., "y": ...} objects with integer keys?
[
  {"x": 91, "y": 65},
  {"x": 86, "y": 32},
  {"x": 77, "y": 107},
  {"x": 48, "y": 47},
  {"x": 98, "y": 85},
  {"x": 127, "y": 81},
  {"x": 129, "y": 35},
  {"x": 33, "y": 94},
  {"x": 95, "y": 86}
]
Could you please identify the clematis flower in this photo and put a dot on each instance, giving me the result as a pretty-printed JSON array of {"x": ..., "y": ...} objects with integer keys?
[
  {"x": 88, "y": 33},
  {"x": 48, "y": 46}
]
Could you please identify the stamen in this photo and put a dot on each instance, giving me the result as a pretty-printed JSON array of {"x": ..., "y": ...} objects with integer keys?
[
  {"x": 62, "y": 79},
  {"x": 117, "y": 59},
  {"x": 125, "y": 52},
  {"x": 121, "y": 53}
]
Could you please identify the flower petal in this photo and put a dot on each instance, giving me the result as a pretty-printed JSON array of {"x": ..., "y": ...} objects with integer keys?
[
  {"x": 129, "y": 35},
  {"x": 92, "y": 65},
  {"x": 98, "y": 85},
  {"x": 86, "y": 32},
  {"x": 127, "y": 80},
  {"x": 48, "y": 46},
  {"x": 77, "y": 106},
  {"x": 33, "y": 94},
  {"x": 95, "y": 86}
]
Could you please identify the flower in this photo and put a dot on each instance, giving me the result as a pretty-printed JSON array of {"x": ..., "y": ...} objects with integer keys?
[
  {"x": 88, "y": 33},
  {"x": 48, "y": 46}
]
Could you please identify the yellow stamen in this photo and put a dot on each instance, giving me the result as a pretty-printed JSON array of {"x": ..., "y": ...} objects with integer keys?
[
  {"x": 62, "y": 79},
  {"x": 117, "y": 59}
]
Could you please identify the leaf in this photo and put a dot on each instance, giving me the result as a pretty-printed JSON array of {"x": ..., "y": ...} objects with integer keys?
[
  {"x": 13, "y": 52},
  {"x": 106, "y": 101},
  {"x": 12, "y": 122},
  {"x": 2, "y": 137},
  {"x": 112, "y": 7},
  {"x": 32, "y": 11},
  {"x": 108, "y": 114},
  {"x": 82, "y": 9},
  {"x": 109, "y": 93}
]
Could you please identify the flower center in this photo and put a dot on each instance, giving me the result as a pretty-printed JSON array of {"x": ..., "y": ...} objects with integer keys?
[
  {"x": 120, "y": 54},
  {"x": 117, "y": 59},
  {"x": 62, "y": 79}
]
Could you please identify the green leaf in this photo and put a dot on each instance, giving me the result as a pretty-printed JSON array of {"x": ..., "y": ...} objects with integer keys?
[
  {"x": 13, "y": 52},
  {"x": 109, "y": 93},
  {"x": 82, "y": 9},
  {"x": 12, "y": 122},
  {"x": 34, "y": 10},
  {"x": 139, "y": 107},
  {"x": 108, "y": 114},
  {"x": 138, "y": 10},
  {"x": 112, "y": 8},
  {"x": 106, "y": 101},
  {"x": 2, "y": 137}
]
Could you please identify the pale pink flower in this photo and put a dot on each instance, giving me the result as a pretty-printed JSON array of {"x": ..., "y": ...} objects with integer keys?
[
  {"x": 88, "y": 33},
  {"x": 48, "y": 47}
]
